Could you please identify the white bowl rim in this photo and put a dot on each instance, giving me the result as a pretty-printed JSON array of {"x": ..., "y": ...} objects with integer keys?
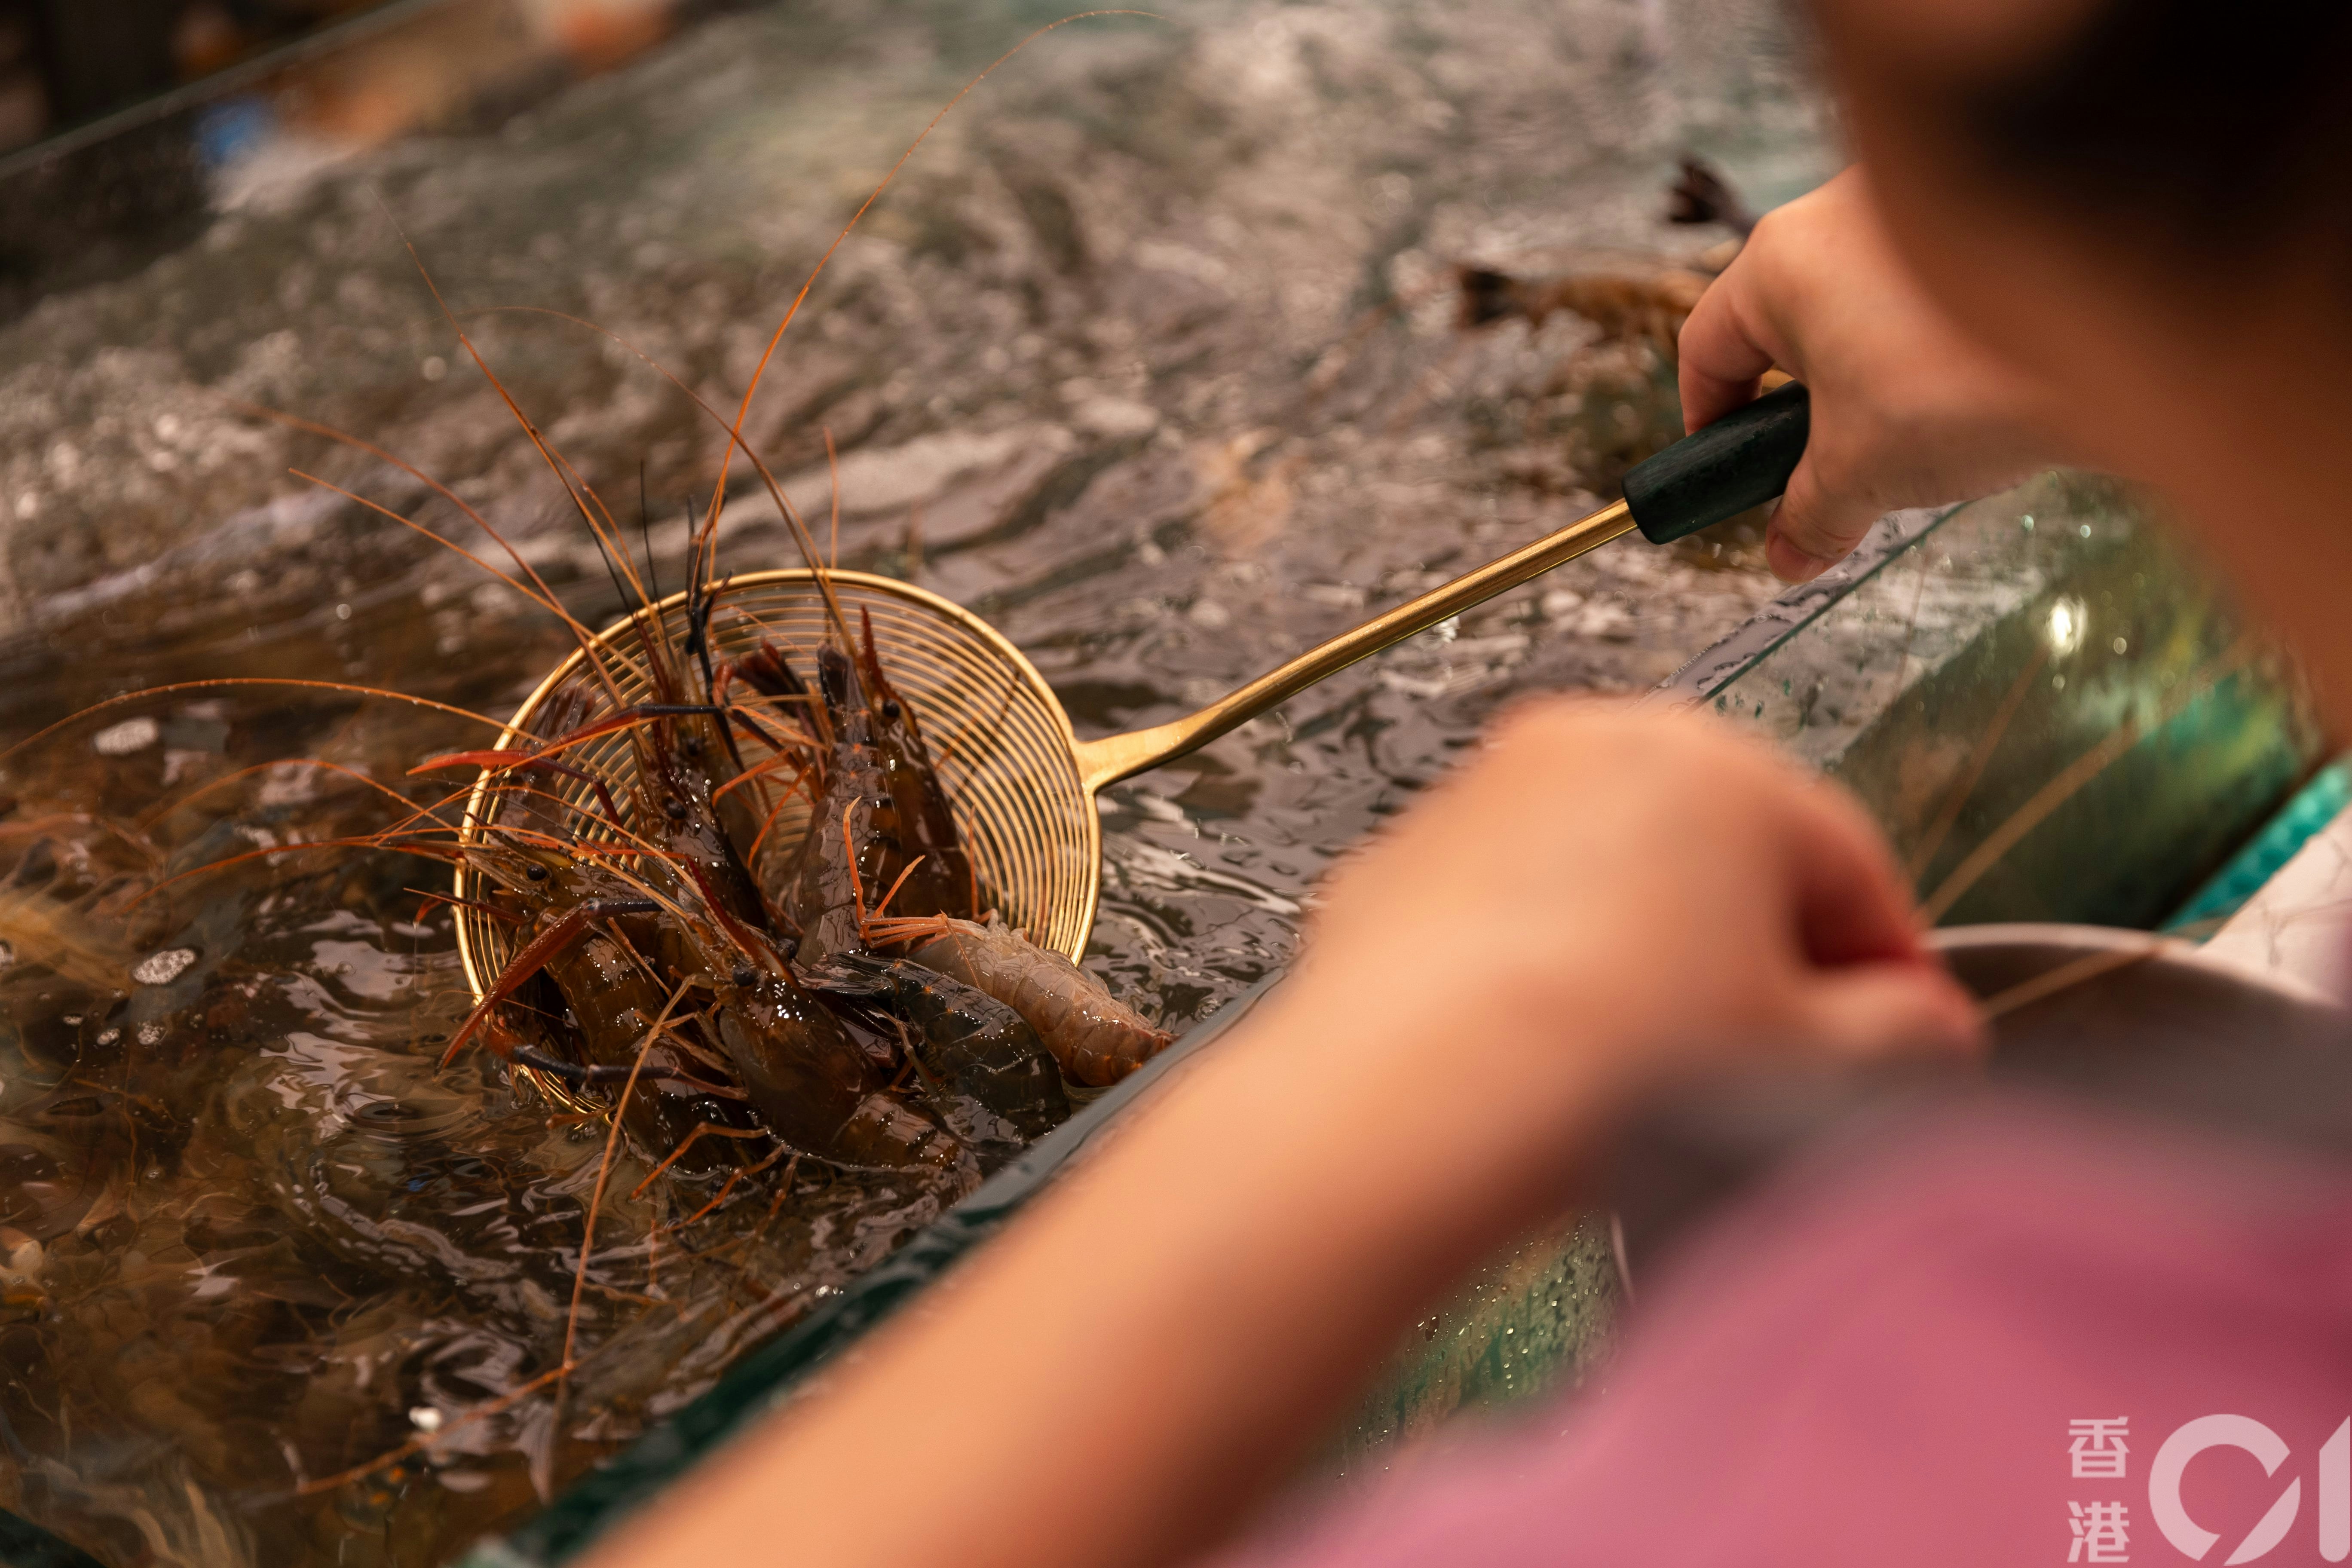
[{"x": 2160, "y": 948}]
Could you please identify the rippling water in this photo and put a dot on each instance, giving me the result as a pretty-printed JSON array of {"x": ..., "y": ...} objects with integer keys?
[{"x": 1149, "y": 359}]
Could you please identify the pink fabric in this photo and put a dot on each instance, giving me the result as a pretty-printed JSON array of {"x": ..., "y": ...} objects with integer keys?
[{"x": 1877, "y": 1361}]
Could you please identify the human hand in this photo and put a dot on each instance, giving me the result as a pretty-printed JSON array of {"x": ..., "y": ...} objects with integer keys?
[
  {"x": 1604, "y": 899},
  {"x": 1907, "y": 411}
]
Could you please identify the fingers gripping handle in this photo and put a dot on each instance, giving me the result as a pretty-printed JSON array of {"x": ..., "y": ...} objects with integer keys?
[{"x": 1743, "y": 460}]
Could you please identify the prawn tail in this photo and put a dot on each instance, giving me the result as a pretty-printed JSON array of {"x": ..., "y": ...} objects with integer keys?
[
  {"x": 886, "y": 1130},
  {"x": 1104, "y": 1051}
]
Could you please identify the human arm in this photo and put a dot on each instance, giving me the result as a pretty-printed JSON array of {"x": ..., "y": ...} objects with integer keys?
[
  {"x": 1907, "y": 409},
  {"x": 1600, "y": 899}
]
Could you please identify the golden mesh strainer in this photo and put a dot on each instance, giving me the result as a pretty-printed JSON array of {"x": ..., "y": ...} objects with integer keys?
[{"x": 1021, "y": 781}]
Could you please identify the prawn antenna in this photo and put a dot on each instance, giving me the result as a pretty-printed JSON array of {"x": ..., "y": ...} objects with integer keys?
[
  {"x": 613, "y": 571},
  {"x": 701, "y": 601},
  {"x": 645, "y": 535}
]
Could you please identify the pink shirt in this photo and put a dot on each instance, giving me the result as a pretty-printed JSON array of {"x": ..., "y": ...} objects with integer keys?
[{"x": 1884, "y": 1357}]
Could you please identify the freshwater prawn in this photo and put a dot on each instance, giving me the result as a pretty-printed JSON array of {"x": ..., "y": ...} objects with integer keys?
[
  {"x": 1096, "y": 1037},
  {"x": 882, "y": 819},
  {"x": 609, "y": 998},
  {"x": 604, "y": 931},
  {"x": 972, "y": 1044}
]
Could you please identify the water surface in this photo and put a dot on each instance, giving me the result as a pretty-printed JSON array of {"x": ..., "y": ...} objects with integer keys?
[{"x": 1148, "y": 357}]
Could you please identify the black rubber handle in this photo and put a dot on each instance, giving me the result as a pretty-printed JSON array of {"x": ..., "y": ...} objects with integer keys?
[{"x": 1743, "y": 460}]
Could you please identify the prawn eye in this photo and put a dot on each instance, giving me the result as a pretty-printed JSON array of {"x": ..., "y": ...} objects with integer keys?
[
  {"x": 890, "y": 711},
  {"x": 694, "y": 745},
  {"x": 744, "y": 974},
  {"x": 536, "y": 873},
  {"x": 674, "y": 811}
]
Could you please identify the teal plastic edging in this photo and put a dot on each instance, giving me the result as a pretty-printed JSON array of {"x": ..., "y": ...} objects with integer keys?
[{"x": 2307, "y": 811}]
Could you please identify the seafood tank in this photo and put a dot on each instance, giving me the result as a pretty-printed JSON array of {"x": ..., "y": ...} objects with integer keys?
[
  {"x": 1155, "y": 354},
  {"x": 281, "y": 1288}
]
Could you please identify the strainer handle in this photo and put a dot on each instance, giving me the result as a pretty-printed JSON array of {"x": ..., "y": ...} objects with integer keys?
[
  {"x": 1743, "y": 460},
  {"x": 1739, "y": 461}
]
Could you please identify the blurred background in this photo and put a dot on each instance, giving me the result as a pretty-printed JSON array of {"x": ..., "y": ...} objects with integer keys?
[
  {"x": 181, "y": 89},
  {"x": 64, "y": 65}
]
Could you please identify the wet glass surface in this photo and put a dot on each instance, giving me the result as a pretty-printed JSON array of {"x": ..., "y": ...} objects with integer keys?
[
  {"x": 1149, "y": 357},
  {"x": 2050, "y": 706}
]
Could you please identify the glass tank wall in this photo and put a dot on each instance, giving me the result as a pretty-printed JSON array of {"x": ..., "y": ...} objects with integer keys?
[{"x": 2047, "y": 708}]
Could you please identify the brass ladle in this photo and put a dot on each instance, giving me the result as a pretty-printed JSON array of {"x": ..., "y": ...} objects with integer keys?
[{"x": 1022, "y": 782}]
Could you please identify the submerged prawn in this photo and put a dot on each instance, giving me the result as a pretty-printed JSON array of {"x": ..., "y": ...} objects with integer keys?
[
  {"x": 974, "y": 1045},
  {"x": 611, "y": 1000},
  {"x": 1626, "y": 309},
  {"x": 883, "y": 828},
  {"x": 605, "y": 935},
  {"x": 1096, "y": 1037}
]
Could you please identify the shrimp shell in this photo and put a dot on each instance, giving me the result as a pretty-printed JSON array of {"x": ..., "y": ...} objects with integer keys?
[{"x": 1096, "y": 1038}]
